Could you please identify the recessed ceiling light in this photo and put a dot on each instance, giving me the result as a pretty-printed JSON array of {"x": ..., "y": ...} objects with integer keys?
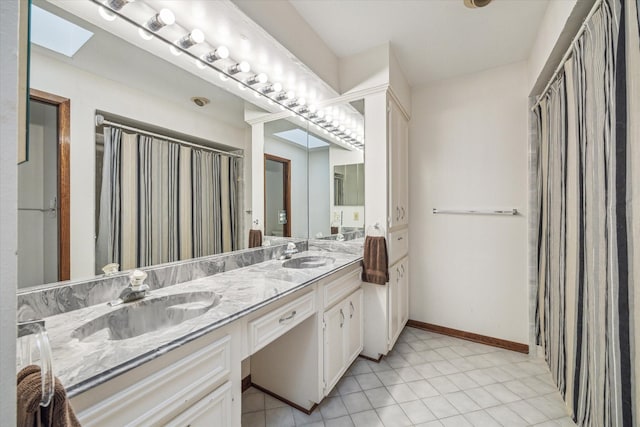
[
  {"x": 472, "y": 4},
  {"x": 55, "y": 33}
]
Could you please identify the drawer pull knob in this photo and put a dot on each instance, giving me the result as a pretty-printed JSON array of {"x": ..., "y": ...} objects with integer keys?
[
  {"x": 289, "y": 317},
  {"x": 342, "y": 321},
  {"x": 353, "y": 309}
]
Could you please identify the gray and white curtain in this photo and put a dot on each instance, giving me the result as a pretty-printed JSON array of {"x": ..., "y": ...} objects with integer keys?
[
  {"x": 162, "y": 202},
  {"x": 587, "y": 313}
]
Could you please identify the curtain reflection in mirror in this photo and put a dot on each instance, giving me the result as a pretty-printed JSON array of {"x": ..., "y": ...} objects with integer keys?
[{"x": 161, "y": 202}]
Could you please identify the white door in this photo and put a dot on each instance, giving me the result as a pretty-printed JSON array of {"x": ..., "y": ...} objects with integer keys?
[
  {"x": 334, "y": 350},
  {"x": 355, "y": 332},
  {"x": 403, "y": 169}
]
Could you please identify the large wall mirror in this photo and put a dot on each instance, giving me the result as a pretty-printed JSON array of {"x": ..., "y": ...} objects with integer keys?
[
  {"x": 313, "y": 178},
  {"x": 123, "y": 165},
  {"x": 132, "y": 159}
]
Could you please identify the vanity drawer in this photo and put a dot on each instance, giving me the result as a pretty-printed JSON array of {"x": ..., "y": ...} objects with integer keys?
[
  {"x": 398, "y": 245},
  {"x": 341, "y": 287},
  {"x": 161, "y": 396},
  {"x": 274, "y": 324}
]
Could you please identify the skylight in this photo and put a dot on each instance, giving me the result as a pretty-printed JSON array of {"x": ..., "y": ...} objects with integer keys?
[
  {"x": 298, "y": 136},
  {"x": 55, "y": 33}
]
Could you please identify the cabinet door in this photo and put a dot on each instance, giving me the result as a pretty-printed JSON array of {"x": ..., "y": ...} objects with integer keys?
[
  {"x": 394, "y": 299},
  {"x": 393, "y": 183},
  {"x": 398, "y": 166},
  {"x": 214, "y": 409},
  {"x": 334, "y": 345},
  {"x": 355, "y": 331},
  {"x": 404, "y": 292},
  {"x": 403, "y": 169}
]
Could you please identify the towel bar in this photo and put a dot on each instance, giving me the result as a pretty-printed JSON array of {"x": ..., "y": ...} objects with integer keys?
[{"x": 512, "y": 211}]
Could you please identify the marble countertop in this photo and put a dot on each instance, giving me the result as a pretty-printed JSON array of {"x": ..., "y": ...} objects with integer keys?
[{"x": 83, "y": 364}]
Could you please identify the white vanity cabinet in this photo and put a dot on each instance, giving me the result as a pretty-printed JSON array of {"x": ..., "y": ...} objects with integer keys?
[
  {"x": 190, "y": 385},
  {"x": 387, "y": 163},
  {"x": 342, "y": 337}
]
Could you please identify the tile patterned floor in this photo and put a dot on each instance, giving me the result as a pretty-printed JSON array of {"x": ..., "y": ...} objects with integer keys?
[{"x": 428, "y": 380}]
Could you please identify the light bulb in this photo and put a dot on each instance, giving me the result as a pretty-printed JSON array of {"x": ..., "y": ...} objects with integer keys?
[
  {"x": 174, "y": 50},
  {"x": 193, "y": 38},
  {"x": 335, "y": 123},
  {"x": 199, "y": 64},
  {"x": 321, "y": 114},
  {"x": 313, "y": 108},
  {"x": 220, "y": 53},
  {"x": 161, "y": 19},
  {"x": 144, "y": 34},
  {"x": 290, "y": 95},
  {"x": 342, "y": 128},
  {"x": 302, "y": 101},
  {"x": 107, "y": 15},
  {"x": 223, "y": 77},
  {"x": 241, "y": 86},
  {"x": 117, "y": 4},
  {"x": 242, "y": 67},
  {"x": 258, "y": 78},
  {"x": 276, "y": 87},
  {"x": 347, "y": 132}
]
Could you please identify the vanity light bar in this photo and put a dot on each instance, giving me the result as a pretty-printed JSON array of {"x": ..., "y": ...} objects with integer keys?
[{"x": 273, "y": 92}]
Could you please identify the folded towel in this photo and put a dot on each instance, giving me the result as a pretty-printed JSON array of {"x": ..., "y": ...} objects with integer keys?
[
  {"x": 375, "y": 268},
  {"x": 255, "y": 238},
  {"x": 59, "y": 412}
]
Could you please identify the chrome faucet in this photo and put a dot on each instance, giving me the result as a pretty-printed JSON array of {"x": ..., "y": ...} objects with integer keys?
[
  {"x": 135, "y": 291},
  {"x": 288, "y": 253}
]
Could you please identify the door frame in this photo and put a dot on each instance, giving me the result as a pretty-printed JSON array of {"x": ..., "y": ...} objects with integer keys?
[
  {"x": 286, "y": 186},
  {"x": 63, "y": 106}
]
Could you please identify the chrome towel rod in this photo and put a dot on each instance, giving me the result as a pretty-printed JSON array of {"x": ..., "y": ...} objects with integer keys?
[{"x": 513, "y": 211}]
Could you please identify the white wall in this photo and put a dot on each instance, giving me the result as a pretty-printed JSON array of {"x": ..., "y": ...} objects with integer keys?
[
  {"x": 320, "y": 177},
  {"x": 468, "y": 149},
  {"x": 283, "y": 22},
  {"x": 298, "y": 156},
  {"x": 89, "y": 93}
]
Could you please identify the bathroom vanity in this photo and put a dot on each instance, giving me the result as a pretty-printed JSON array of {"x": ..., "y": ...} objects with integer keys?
[{"x": 301, "y": 326}]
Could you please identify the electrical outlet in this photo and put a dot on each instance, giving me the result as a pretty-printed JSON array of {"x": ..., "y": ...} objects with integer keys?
[
  {"x": 356, "y": 216},
  {"x": 336, "y": 217}
]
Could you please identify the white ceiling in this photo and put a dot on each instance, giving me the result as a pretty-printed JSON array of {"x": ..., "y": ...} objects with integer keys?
[{"x": 432, "y": 39}]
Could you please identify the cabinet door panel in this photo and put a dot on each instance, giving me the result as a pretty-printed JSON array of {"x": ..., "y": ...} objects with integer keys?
[
  {"x": 334, "y": 349},
  {"x": 214, "y": 409},
  {"x": 404, "y": 292},
  {"x": 394, "y": 298},
  {"x": 355, "y": 332}
]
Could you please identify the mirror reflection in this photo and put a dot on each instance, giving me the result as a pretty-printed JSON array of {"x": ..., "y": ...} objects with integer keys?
[
  {"x": 348, "y": 185},
  {"x": 160, "y": 179},
  {"x": 285, "y": 179}
]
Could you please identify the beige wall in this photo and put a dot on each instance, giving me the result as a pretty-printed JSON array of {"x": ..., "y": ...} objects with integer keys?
[{"x": 468, "y": 149}]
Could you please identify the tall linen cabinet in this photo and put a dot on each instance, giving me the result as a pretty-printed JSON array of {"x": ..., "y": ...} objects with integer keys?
[{"x": 386, "y": 307}]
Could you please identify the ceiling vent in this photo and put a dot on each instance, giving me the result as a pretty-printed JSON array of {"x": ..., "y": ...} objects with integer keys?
[{"x": 472, "y": 4}]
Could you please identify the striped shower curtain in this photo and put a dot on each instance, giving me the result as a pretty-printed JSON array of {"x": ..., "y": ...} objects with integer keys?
[
  {"x": 160, "y": 202},
  {"x": 588, "y": 305}
]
